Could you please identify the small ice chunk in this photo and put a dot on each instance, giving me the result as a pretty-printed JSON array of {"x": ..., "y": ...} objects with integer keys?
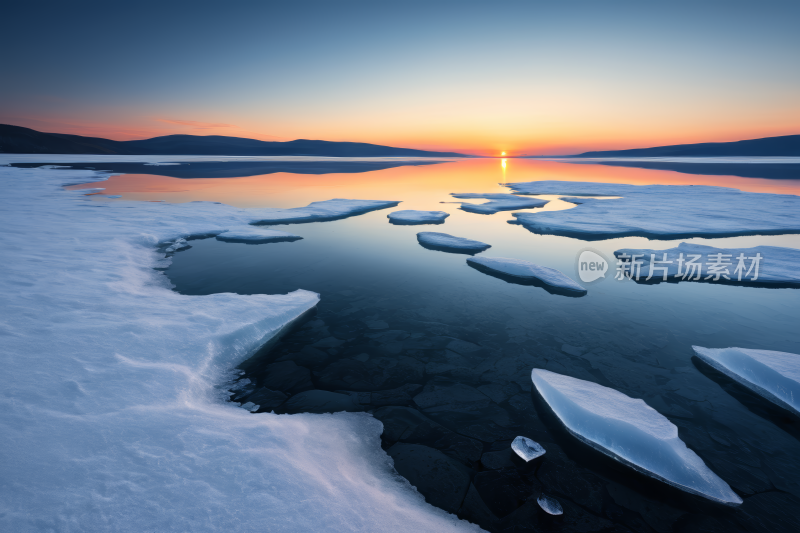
[
  {"x": 449, "y": 243},
  {"x": 250, "y": 406},
  {"x": 52, "y": 167},
  {"x": 549, "y": 505},
  {"x": 498, "y": 202},
  {"x": 631, "y": 432},
  {"x": 256, "y": 235},
  {"x": 179, "y": 244},
  {"x": 526, "y": 271},
  {"x": 114, "y": 196},
  {"x": 772, "y": 375},
  {"x": 160, "y": 164},
  {"x": 411, "y": 216},
  {"x": 527, "y": 449}
]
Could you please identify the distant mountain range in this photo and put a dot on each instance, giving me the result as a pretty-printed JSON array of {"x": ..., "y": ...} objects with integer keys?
[
  {"x": 784, "y": 146},
  {"x": 18, "y": 140}
]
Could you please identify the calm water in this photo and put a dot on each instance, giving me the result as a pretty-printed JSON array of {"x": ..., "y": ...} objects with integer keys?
[{"x": 394, "y": 315}]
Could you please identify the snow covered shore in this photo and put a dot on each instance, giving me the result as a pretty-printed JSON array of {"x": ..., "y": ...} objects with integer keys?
[{"x": 111, "y": 416}]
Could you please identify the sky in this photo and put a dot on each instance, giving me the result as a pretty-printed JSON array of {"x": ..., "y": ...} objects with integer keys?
[{"x": 473, "y": 77}]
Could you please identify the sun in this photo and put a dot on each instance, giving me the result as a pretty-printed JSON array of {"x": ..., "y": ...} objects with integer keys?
[{"x": 502, "y": 153}]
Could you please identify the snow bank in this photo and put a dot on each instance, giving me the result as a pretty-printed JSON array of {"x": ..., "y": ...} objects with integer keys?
[
  {"x": 498, "y": 202},
  {"x": 660, "y": 211},
  {"x": 111, "y": 417},
  {"x": 411, "y": 216},
  {"x": 773, "y": 375},
  {"x": 631, "y": 432},
  {"x": 322, "y": 211},
  {"x": 526, "y": 271},
  {"x": 761, "y": 265},
  {"x": 448, "y": 243},
  {"x": 256, "y": 235}
]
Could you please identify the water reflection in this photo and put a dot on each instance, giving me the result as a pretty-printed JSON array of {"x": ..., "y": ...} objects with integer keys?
[{"x": 396, "y": 319}]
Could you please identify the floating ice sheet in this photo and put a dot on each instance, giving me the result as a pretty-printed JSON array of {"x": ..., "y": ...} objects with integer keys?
[
  {"x": 773, "y": 375},
  {"x": 761, "y": 265},
  {"x": 256, "y": 235},
  {"x": 411, "y": 216},
  {"x": 660, "y": 211},
  {"x": 112, "y": 414},
  {"x": 322, "y": 211},
  {"x": 526, "y": 271},
  {"x": 498, "y": 202},
  {"x": 527, "y": 449},
  {"x": 449, "y": 243},
  {"x": 631, "y": 432}
]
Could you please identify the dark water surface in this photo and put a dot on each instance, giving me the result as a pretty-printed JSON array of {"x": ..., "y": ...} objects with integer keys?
[{"x": 397, "y": 320}]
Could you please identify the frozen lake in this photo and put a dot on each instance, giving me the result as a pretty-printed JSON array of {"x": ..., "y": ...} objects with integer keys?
[{"x": 395, "y": 316}]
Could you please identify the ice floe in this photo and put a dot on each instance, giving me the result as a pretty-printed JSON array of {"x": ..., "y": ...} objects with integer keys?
[
  {"x": 772, "y": 375},
  {"x": 631, "y": 432},
  {"x": 448, "y": 243},
  {"x": 660, "y": 211},
  {"x": 257, "y": 235},
  {"x": 527, "y": 449},
  {"x": 761, "y": 265},
  {"x": 179, "y": 244},
  {"x": 322, "y": 211},
  {"x": 498, "y": 202},
  {"x": 525, "y": 272},
  {"x": 411, "y": 216},
  {"x": 549, "y": 505},
  {"x": 111, "y": 415}
]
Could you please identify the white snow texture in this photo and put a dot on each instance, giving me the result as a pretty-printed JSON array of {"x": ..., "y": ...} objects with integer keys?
[
  {"x": 660, "y": 211},
  {"x": 773, "y": 375},
  {"x": 631, "y": 432},
  {"x": 111, "y": 417},
  {"x": 525, "y": 270},
  {"x": 498, "y": 202},
  {"x": 777, "y": 265}
]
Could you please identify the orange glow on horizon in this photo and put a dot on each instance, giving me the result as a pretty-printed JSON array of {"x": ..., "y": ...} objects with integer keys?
[{"x": 425, "y": 184}]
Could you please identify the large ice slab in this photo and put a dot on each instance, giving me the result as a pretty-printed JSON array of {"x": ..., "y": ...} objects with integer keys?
[
  {"x": 327, "y": 210},
  {"x": 631, "y": 432},
  {"x": 448, "y": 243},
  {"x": 525, "y": 271},
  {"x": 660, "y": 211},
  {"x": 760, "y": 265},
  {"x": 112, "y": 412},
  {"x": 412, "y": 217},
  {"x": 498, "y": 202},
  {"x": 773, "y": 375},
  {"x": 256, "y": 235}
]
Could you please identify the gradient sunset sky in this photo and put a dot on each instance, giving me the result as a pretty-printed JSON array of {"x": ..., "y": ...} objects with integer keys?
[{"x": 474, "y": 77}]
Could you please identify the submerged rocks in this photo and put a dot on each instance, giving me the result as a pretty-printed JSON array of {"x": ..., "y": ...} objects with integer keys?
[
  {"x": 320, "y": 401},
  {"x": 441, "y": 479}
]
